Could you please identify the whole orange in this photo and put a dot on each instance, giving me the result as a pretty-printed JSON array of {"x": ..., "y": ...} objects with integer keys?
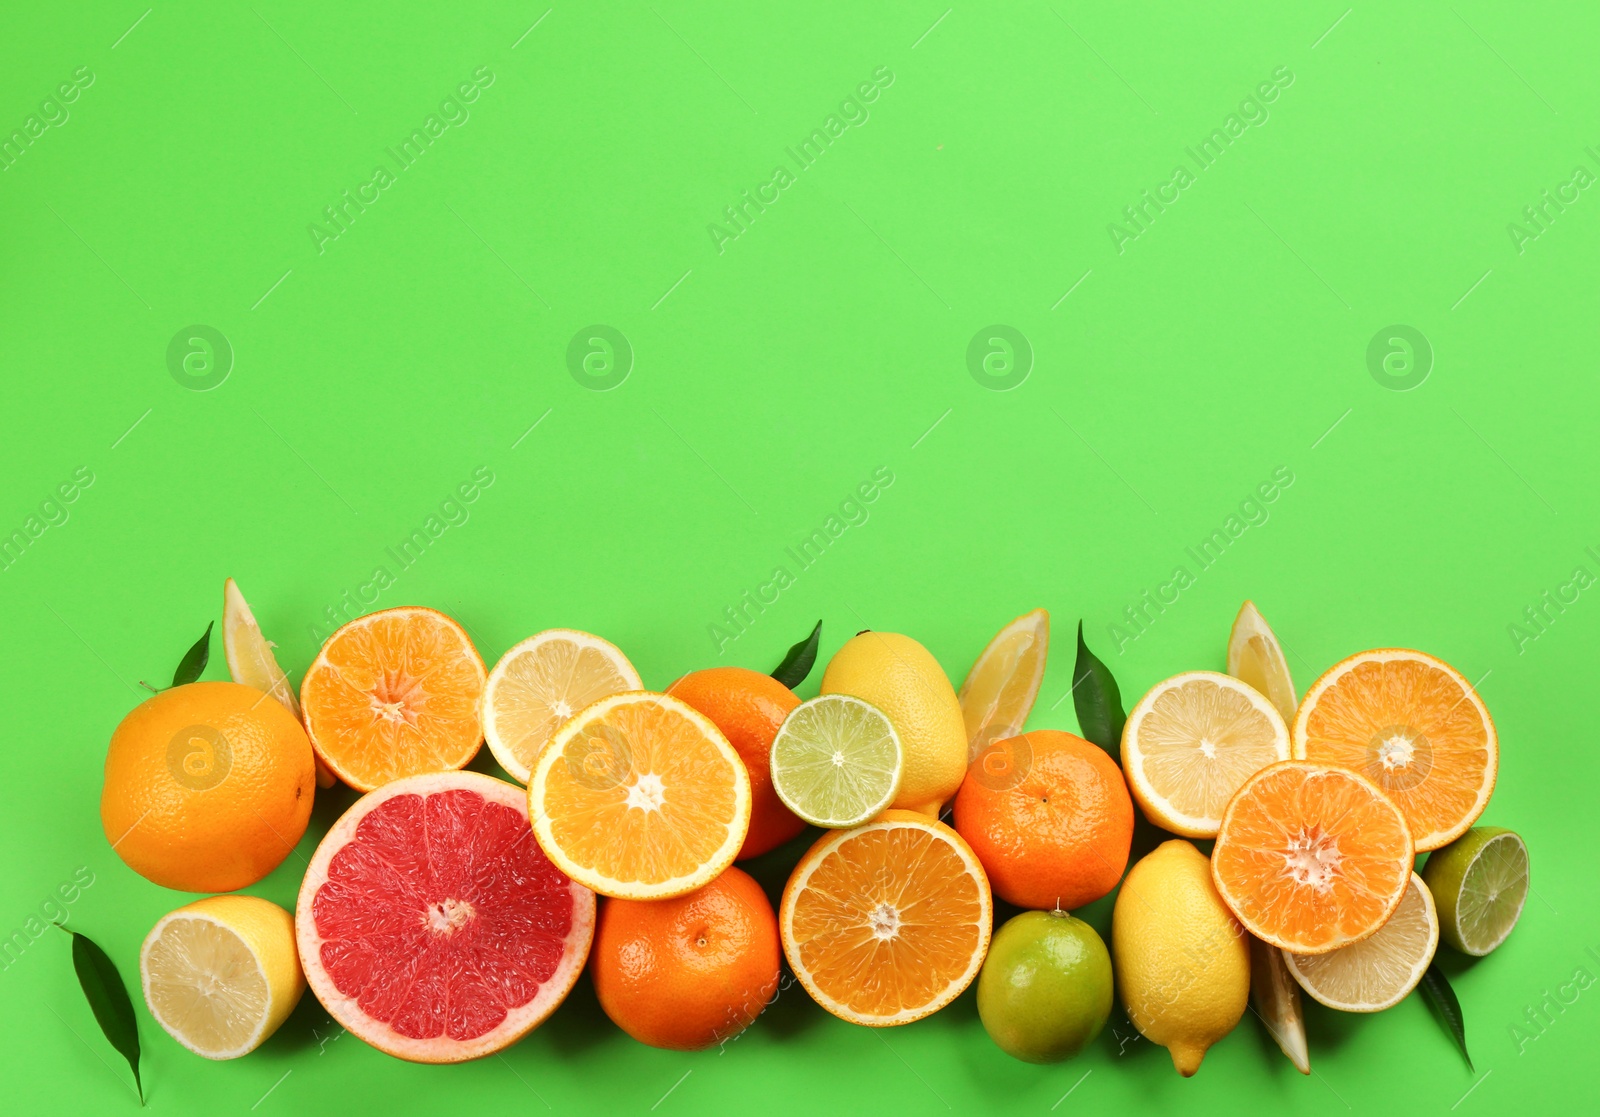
[
  {"x": 748, "y": 707},
  {"x": 1049, "y": 816},
  {"x": 691, "y": 971},
  {"x": 208, "y": 787}
]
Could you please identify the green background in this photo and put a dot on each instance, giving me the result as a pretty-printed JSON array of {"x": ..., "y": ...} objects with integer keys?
[{"x": 829, "y": 340}]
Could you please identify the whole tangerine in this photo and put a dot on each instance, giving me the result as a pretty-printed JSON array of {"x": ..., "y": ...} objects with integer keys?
[
  {"x": 688, "y": 972},
  {"x": 1049, "y": 816},
  {"x": 208, "y": 787},
  {"x": 749, "y": 708}
]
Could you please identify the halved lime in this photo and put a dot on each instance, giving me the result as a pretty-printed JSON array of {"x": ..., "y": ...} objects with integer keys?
[
  {"x": 837, "y": 761},
  {"x": 1480, "y": 882}
]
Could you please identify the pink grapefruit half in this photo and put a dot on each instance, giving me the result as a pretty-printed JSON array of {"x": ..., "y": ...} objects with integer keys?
[{"x": 431, "y": 924}]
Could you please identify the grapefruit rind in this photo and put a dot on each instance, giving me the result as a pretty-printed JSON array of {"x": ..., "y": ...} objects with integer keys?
[
  {"x": 592, "y": 877},
  {"x": 503, "y": 750},
  {"x": 1238, "y": 904},
  {"x": 378, "y": 1033},
  {"x": 1440, "y": 836},
  {"x": 813, "y": 859}
]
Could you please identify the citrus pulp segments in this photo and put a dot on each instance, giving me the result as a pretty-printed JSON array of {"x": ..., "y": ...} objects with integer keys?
[
  {"x": 1377, "y": 972},
  {"x": 431, "y": 876},
  {"x": 1256, "y": 657},
  {"x": 543, "y": 681},
  {"x": 634, "y": 780},
  {"x": 1414, "y": 726},
  {"x": 393, "y": 694},
  {"x": 1000, "y": 690},
  {"x": 1490, "y": 891},
  {"x": 249, "y": 653},
  {"x": 1192, "y": 741},
  {"x": 874, "y": 918},
  {"x": 1311, "y": 857},
  {"x": 837, "y": 751},
  {"x": 224, "y": 964}
]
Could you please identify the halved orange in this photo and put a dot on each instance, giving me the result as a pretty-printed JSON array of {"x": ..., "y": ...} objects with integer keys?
[
  {"x": 395, "y": 693},
  {"x": 1414, "y": 726},
  {"x": 640, "y": 797},
  {"x": 889, "y": 922},
  {"x": 542, "y": 682},
  {"x": 1311, "y": 857}
]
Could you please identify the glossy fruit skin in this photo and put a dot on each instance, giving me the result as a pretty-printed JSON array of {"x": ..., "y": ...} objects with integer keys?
[
  {"x": 212, "y": 810},
  {"x": 688, "y": 972},
  {"x": 1053, "y": 832},
  {"x": 1045, "y": 990},
  {"x": 901, "y": 678},
  {"x": 749, "y": 708},
  {"x": 1182, "y": 960},
  {"x": 1444, "y": 874}
]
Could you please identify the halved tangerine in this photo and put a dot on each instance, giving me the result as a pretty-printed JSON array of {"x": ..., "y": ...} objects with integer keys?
[
  {"x": 432, "y": 926},
  {"x": 1311, "y": 857},
  {"x": 395, "y": 693},
  {"x": 888, "y": 922},
  {"x": 640, "y": 797},
  {"x": 1414, "y": 726}
]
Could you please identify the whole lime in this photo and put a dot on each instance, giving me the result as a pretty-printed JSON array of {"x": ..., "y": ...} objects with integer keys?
[{"x": 1045, "y": 989}]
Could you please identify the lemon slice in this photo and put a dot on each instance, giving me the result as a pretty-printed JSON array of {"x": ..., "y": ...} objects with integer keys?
[
  {"x": 221, "y": 974},
  {"x": 837, "y": 761},
  {"x": 1377, "y": 972},
  {"x": 1255, "y": 656},
  {"x": 1001, "y": 688},
  {"x": 1276, "y": 998},
  {"x": 540, "y": 684},
  {"x": 251, "y": 662},
  {"x": 1480, "y": 882},
  {"x": 1193, "y": 741}
]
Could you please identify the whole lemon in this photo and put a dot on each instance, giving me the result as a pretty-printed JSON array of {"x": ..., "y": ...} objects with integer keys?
[
  {"x": 901, "y": 678},
  {"x": 208, "y": 787},
  {"x": 1182, "y": 960}
]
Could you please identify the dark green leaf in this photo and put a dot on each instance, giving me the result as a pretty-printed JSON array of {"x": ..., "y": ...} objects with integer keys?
[
  {"x": 1436, "y": 988},
  {"x": 194, "y": 660},
  {"x": 1097, "y": 700},
  {"x": 108, "y": 998},
  {"x": 801, "y": 658}
]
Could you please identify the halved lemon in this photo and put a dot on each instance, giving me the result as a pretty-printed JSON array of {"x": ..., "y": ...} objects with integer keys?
[
  {"x": 542, "y": 682},
  {"x": 221, "y": 974},
  {"x": 639, "y": 797},
  {"x": 1000, "y": 690},
  {"x": 1414, "y": 726},
  {"x": 251, "y": 662},
  {"x": 888, "y": 922},
  {"x": 1255, "y": 656},
  {"x": 1192, "y": 741},
  {"x": 837, "y": 761},
  {"x": 1377, "y": 972},
  {"x": 1311, "y": 857},
  {"x": 393, "y": 694}
]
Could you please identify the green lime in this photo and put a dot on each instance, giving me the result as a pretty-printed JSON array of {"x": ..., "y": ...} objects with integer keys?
[
  {"x": 837, "y": 761},
  {"x": 1045, "y": 989},
  {"x": 1479, "y": 882}
]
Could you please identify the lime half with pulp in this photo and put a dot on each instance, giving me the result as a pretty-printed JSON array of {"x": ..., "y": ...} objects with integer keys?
[
  {"x": 837, "y": 761},
  {"x": 1479, "y": 882}
]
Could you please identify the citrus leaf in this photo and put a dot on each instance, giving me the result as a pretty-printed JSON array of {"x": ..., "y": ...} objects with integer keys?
[
  {"x": 108, "y": 999},
  {"x": 1436, "y": 988},
  {"x": 1098, "y": 701},
  {"x": 194, "y": 660},
  {"x": 801, "y": 658}
]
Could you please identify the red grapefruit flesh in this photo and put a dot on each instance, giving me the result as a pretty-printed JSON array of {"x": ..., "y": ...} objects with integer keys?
[{"x": 431, "y": 924}]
